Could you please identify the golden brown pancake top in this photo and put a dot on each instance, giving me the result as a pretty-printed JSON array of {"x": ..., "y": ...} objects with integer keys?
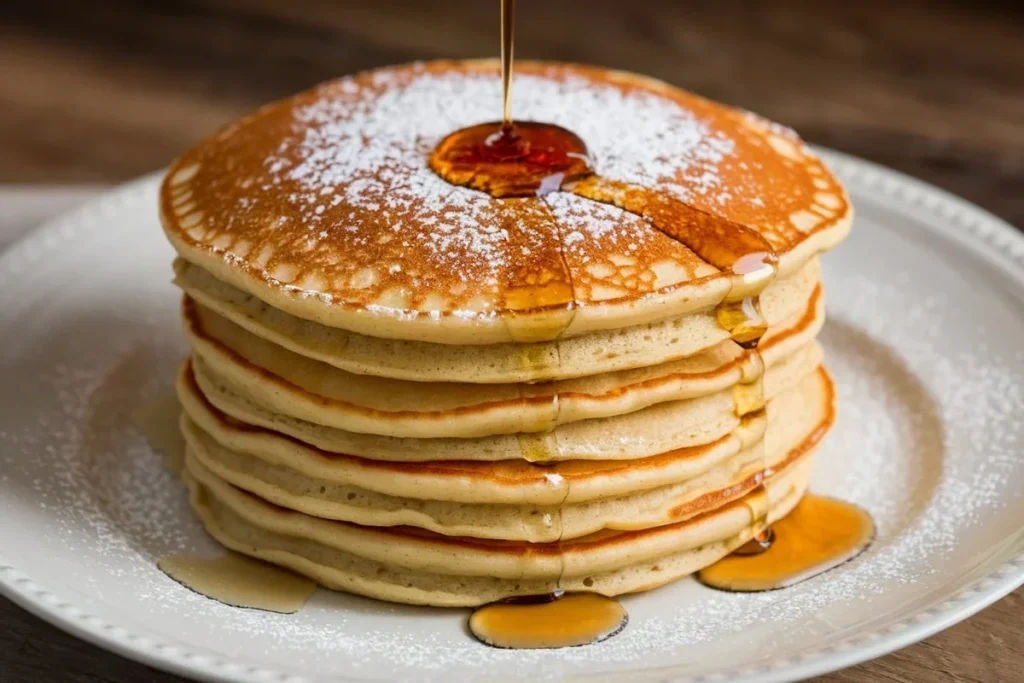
[{"x": 326, "y": 197}]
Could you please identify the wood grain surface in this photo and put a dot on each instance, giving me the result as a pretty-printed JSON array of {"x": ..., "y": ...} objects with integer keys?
[{"x": 102, "y": 91}]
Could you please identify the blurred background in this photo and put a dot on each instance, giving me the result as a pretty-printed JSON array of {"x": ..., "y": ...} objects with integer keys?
[
  {"x": 99, "y": 91},
  {"x": 104, "y": 90}
]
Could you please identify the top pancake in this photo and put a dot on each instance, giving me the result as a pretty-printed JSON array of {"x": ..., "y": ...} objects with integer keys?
[{"x": 323, "y": 206}]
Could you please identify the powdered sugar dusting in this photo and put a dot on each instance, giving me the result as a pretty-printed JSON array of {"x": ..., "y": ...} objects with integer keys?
[
  {"x": 328, "y": 197},
  {"x": 375, "y": 147},
  {"x": 586, "y": 223},
  {"x": 638, "y": 137},
  {"x": 931, "y": 380}
]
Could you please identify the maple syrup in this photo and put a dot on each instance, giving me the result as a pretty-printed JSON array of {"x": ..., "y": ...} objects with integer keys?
[
  {"x": 548, "y": 621},
  {"x": 760, "y": 543},
  {"x": 748, "y": 392},
  {"x": 758, "y": 503},
  {"x": 524, "y": 159},
  {"x": 506, "y": 158},
  {"x": 819, "y": 534},
  {"x": 510, "y": 159},
  {"x": 158, "y": 421},
  {"x": 539, "y": 448},
  {"x": 748, "y": 398},
  {"x": 240, "y": 581},
  {"x": 508, "y": 43}
]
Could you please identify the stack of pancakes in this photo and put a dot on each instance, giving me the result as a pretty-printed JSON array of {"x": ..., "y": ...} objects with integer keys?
[{"x": 424, "y": 394}]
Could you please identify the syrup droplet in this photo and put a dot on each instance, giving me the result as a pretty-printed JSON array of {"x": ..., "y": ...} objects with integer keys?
[
  {"x": 539, "y": 448},
  {"x": 748, "y": 398},
  {"x": 758, "y": 503},
  {"x": 758, "y": 544},
  {"x": 743, "y": 321},
  {"x": 240, "y": 581},
  {"x": 549, "y": 621},
  {"x": 819, "y": 534}
]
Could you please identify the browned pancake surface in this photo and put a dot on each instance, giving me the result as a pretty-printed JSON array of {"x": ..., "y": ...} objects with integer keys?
[{"x": 326, "y": 200}]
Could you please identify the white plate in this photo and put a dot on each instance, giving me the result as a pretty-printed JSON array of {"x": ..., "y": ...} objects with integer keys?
[{"x": 927, "y": 320}]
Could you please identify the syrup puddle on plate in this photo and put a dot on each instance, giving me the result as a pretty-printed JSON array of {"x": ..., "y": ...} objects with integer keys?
[
  {"x": 548, "y": 621},
  {"x": 159, "y": 422},
  {"x": 820, "y": 534},
  {"x": 239, "y": 581}
]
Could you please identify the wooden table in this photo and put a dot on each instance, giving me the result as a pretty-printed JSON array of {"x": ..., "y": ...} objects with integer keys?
[{"x": 102, "y": 91}]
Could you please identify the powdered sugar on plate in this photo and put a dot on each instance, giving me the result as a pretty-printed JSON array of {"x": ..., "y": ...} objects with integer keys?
[{"x": 930, "y": 374}]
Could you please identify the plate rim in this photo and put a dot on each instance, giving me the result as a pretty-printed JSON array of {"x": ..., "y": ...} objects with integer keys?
[{"x": 998, "y": 240}]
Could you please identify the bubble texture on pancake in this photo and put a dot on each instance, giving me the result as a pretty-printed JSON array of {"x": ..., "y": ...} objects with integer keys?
[{"x": 322, "y": 205}]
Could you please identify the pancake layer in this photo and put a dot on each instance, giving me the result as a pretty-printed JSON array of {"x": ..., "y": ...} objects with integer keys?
[{"x": 657, "y": 429}]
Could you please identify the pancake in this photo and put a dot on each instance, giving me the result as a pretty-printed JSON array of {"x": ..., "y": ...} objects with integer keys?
[
  {"x": 322, "y": 206},
  {"x": 418, "y": 392},
  {"x": 411, "y": 566},
  {"x": 599, "y": 352},
  {"x": 800, "y": 415},
  {"x": 657, "y": 429},
  {"x": 311, "y": 390}
]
